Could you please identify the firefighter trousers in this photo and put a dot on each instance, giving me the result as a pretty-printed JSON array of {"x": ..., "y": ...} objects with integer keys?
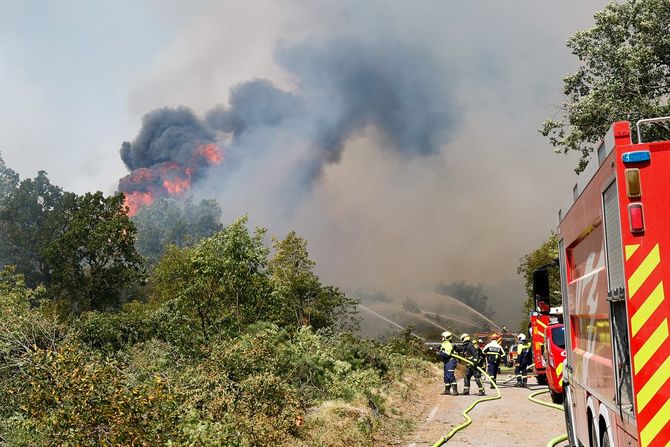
[
  {"x": 469, "y": 374},
  {"x": 449, "y": 369},
  {"x": 492, "y": 370},
  {"x": 521, "y": 372}
]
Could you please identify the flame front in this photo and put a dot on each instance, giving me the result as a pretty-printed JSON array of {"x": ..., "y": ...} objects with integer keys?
[
  {"x": 167, "y": 179},
  {"x": 137, "y": 199}
]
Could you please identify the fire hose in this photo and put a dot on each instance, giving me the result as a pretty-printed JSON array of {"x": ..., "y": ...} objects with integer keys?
[
  {"x": 468, "y": 419},
  {"x": 531, "y": 397}
]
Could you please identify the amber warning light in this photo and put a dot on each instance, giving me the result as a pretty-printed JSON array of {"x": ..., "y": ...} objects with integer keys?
[{"x": 635, "y": 217}]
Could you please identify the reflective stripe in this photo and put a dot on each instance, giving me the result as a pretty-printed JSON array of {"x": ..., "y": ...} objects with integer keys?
[
  {"x": 650, "y": 347},
  {"x": 653, "y": 428},
  {"x": 654, "y": 384},
  {"x": 643, "y": 271},
  {"x": 647, "y": 309}
]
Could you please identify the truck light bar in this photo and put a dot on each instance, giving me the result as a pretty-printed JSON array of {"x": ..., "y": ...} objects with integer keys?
[
  {"x": 635, "y": 217},
  {"x": 636, "y": 156}
]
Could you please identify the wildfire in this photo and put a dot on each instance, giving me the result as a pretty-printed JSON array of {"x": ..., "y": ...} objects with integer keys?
[
  {"x": 211, "y": 153},
  {"x": 135, "y": 200},
  {"x": 166, "y": 179}
]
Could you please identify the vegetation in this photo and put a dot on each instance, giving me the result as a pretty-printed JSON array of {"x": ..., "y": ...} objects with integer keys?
[
  {"x": 546, "y": 254},
  {"x": 167, "y": 222},
  {"x": 624, "y": 75},
  {"x": 223, "y": 342}
]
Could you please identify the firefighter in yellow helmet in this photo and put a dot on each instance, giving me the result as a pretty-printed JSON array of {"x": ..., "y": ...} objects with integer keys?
[
  {"x": 472, "y": 353},
  {"x": 523, "y": 360},
  {"x": 494, "y": 353},
  {"x": 445, "y": 353}
]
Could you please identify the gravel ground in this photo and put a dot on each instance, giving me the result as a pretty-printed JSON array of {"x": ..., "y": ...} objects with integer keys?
[{"x": 510, "y": 421}]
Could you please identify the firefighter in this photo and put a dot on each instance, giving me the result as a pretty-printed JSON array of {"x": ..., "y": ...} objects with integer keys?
[
  {"x": 523, "y": 360},
  {"x": 446, "y": 349},
  {"x": 471, "y": 353},
  {"x": 494, "y": 354}
]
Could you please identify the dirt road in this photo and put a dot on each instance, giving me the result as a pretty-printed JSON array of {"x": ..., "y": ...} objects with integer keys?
[{"x": 510, "y": 421}]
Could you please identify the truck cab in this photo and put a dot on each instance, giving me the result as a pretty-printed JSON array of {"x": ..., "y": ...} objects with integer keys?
[{"x": 553, "y": 353}]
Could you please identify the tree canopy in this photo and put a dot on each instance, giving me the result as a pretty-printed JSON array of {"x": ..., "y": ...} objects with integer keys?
[
  {"x": 171, "y": 222},
  {"x": 624, "y": 75},
  {"x": 543, "y": 255}
]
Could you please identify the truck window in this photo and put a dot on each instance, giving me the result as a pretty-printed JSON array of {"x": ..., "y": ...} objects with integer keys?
[{"x": 558, "y": 336}]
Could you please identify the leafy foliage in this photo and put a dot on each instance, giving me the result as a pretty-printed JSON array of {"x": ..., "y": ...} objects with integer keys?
[
  {"x": 170, "y": 222},
  {"x": 543, "y": 255},
  {"x": 29, "y": 220},
  {"x": 625, "y": 75},
  {"x": 93, "y": 259}
]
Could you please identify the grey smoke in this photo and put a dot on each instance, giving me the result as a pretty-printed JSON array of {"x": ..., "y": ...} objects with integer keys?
[
  {"x": 166, "y": 135},
  {"x": 341, "y": 88},
  {"x": 254, "y": 104}
]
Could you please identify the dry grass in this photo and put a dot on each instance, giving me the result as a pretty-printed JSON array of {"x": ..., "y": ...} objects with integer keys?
[{"x": 384, "y": 420}]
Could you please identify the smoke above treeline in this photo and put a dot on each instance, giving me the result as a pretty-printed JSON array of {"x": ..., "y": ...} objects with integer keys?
[{"x": 341, "y": 88}]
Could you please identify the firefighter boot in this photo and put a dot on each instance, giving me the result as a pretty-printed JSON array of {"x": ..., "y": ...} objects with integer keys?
[
  {"x": 482, "y": 392},
  {"x": 446, "y": 389},
  {"x": 524, "y": 383},
  {"x": 493, "y": 386},
  {"x": 454, "y": 390},
  {"x": 466, "y": 391}
]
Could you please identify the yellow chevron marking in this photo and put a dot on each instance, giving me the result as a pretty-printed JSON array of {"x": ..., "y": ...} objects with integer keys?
[
  {"x": 630, "y": 249},
  {"x": 643, "y": 271},
  {"x": 654, "y": 384},
  {"x": 648, "y": 307},
  {"x": 655, "y": 425},
  {"x": 559, "y": 369},
  {"x": 650, "y": 346}
]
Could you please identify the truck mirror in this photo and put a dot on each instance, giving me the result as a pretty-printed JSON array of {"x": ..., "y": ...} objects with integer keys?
[{"x": 541, "y": 285}]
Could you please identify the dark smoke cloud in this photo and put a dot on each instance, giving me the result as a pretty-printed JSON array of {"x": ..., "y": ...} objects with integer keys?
[
  {"x": 342, "y": 87},
  {"x": 393, "y": 87},
  {"x": 254, "y": 104},
  {"x": 166, "y": 135}
]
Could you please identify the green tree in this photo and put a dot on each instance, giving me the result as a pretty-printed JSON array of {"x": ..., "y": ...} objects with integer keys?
[
  {"x": 624, "y": 75},
  {"x": 543, "y": 255},
  {"x": 470, "y": 294},
  {"x": 93, "y": 259},
  {"x": 299, "y": 298},
  {"x": 170, "y": 222},
  {"x": 221, "y": 283},
  {"x": 29, "y": 221}
]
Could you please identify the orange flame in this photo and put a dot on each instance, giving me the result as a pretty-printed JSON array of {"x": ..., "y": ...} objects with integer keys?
[
  {"x": 177, "y": 187},
  {"x": 137, "y": 199},
  {"x": 211, "y": 153}
]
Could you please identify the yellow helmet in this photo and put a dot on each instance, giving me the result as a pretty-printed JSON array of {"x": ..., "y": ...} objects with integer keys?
[
  {"x": 465, "y": 337},
  {"x": 495, "y": 336}
]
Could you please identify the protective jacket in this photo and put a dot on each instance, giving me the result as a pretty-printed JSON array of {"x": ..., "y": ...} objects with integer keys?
[
  {"x": 446, "y": 348},
  {"x": 525, "y": 355},
  {"x": 494, "y": 352}
]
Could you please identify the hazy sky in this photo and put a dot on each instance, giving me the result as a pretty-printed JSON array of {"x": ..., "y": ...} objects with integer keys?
[{"x": 76, "y": 77}]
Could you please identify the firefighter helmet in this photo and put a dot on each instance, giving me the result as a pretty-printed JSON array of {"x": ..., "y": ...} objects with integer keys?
[
  {"x": 465, "y": 337},
  {"x": 522, "y": 337},
  {"x": 495, "y": 336},
  {"x": 446, "y": 335}
]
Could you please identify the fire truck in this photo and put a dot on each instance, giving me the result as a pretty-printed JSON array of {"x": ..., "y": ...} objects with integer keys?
[
  {"x": 614, "y": 256},
  {"x": 540, "y": 319}
]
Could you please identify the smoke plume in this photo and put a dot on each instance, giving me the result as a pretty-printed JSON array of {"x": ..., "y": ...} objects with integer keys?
[{"x": 342, "y": 87}]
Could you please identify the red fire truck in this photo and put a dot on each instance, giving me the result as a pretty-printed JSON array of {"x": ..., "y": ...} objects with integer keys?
[
  {"x": 614, "y": 252},
  {"x": 553, "y": 353},
  {"x": 540, "y": 319}
]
